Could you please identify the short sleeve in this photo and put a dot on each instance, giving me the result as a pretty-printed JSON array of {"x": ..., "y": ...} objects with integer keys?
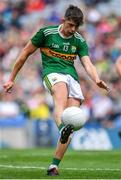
[
  {"x": 82, "y": 49},
  {"x": 38, "y": 39}
]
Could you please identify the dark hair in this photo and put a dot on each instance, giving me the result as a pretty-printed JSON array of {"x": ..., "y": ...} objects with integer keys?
[{"x": 75, "y": 14}]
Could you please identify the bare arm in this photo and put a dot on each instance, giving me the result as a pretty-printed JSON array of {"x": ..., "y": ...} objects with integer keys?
[
  {"x": 26, "y": 52},
  {"x": 92, "y": 72},
  {"x": 118, "y": 65}
]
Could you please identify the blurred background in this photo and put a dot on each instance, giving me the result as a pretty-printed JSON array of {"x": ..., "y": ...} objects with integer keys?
[{"x": 26, "y": 115}]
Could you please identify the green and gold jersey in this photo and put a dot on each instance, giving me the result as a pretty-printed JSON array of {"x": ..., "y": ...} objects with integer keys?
[{"x": 59, "y": 53}]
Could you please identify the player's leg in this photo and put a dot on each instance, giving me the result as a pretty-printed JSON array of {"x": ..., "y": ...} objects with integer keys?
[
  {"x": 57, "y": 84},
  {"x": 60, "y": 95},
  {"x": 63, "y": 96},
  {"x": 59, "y": 153},
  {"x": 61, "y": 148}
]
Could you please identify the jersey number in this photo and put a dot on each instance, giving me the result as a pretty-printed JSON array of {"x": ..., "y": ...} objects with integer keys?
[{"x": 65, "y": 48}]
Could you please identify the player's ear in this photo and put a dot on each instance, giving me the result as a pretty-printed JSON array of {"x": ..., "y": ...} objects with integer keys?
[{"x": 62, "y": 20}]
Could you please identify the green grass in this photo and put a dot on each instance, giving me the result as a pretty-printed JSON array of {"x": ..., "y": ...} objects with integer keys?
[{"x": 32, "y": 164}]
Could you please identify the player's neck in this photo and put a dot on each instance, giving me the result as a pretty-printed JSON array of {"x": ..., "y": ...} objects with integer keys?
[{"x": 62, "y": 31}]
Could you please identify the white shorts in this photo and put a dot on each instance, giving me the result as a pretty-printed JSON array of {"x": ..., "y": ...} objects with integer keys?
[{"x": 74, "y": 89}]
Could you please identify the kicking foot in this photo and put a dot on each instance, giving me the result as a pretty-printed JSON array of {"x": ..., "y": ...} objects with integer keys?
[
  {"x": 66, "y": 131},
  {"x": 52, "y": 171}
]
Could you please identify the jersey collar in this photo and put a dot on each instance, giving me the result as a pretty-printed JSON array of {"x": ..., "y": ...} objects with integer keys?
[{"x": 61, "y": 33}]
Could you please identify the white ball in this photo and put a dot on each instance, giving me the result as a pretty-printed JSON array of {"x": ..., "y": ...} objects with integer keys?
[{"x": 75, "y": 116}]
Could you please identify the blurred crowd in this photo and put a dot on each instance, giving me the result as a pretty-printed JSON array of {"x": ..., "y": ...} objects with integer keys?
[{"x": 20, "y": 19}]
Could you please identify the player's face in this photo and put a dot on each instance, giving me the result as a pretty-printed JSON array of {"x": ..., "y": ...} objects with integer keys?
[{"x": 69, "y": 27}]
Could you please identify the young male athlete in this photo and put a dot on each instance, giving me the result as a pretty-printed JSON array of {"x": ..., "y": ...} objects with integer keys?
[{"x": 59, "y": 46}]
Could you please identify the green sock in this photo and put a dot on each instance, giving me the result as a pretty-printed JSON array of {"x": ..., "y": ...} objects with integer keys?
[
  {"x": 56, "y": 161},
  {"x": 60, "y": 126}
]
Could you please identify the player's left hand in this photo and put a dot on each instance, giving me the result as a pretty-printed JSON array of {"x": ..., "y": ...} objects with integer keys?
[{"x": 103, "y": 85}]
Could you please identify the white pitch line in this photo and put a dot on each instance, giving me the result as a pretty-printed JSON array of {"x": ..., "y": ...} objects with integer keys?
[
  {"x": 21, "y": 167},
  {"x": 25, "y": 155},
  {"x": 73, "y": 169}
]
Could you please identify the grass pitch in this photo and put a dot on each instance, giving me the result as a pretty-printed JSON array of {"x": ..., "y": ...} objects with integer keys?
[{"x": 32, "y": 164}]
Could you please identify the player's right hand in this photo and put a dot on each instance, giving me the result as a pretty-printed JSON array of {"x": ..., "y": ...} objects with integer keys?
[{"x": 8, "y": 86}]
